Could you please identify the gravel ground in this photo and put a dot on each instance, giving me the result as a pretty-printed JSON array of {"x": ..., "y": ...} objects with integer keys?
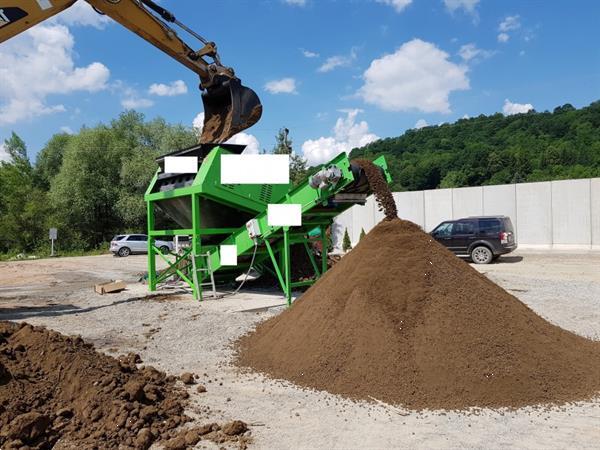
[{"x": 177, "y": 334}]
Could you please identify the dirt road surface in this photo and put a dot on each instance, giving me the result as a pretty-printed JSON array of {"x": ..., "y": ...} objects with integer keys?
[{"x": 177, "y": 334}]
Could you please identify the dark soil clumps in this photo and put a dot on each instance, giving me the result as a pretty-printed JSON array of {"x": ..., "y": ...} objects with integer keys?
[
  {"x": 54, "y": 387},
  {"x": 402, "y": 320}
]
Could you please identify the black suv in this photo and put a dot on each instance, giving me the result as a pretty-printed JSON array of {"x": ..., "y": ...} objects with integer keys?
[{"x": 481, "y": 238}]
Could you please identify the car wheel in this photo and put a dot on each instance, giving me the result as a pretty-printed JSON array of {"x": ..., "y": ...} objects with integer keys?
[
  {"x": 481, "y": 255},
  {"x": 165, "y": 249},
  {"x": 124, "y": 251}
]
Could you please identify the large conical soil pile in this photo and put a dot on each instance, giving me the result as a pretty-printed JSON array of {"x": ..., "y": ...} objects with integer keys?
[{"x": 402, "y": 320}]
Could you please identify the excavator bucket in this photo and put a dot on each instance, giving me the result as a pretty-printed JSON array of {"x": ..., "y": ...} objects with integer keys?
[{"x": 229, "y": 108}]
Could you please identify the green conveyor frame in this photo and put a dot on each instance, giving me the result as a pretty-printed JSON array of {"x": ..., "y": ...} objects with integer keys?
[{"x": 318, "y": 207}]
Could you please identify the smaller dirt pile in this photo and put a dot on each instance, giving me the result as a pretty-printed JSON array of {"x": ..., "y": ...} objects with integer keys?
[{"x": 57, "y": 388}]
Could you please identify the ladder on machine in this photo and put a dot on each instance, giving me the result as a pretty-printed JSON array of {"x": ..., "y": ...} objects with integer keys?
[{"x": 206, "y": 267}]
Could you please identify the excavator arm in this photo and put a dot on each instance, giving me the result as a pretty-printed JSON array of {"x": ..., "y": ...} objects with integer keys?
[{"x": 229, "y": 107}]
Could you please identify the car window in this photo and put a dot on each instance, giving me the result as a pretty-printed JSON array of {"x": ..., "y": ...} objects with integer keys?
[
  {"x": 444, "y": 230},
  {"x": 488, "y": 226},
  {"x": 463, "y": 227},
  {"x": 508, "y": 226},
  {"x": 136, "y": 237},
  {"x": 118, "y": 237}
]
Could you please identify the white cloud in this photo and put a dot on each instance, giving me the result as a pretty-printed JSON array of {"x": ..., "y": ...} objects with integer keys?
[
  {"x": 511, "y": 108},
  {"x": 66, "y": 129},
  {"x": 503, "y": 37},
  {"x": 295, "y": 2},
  {"x": 417, "y": 76},
  {"x": 4, "y": 156},
  {"x": 82, "y": 14},
  {"x": 470, "y": 52},
  {"x": 283, "y": 86},
  {"x": 132, "y": 101},
  {"x": 168, "y": 90},
  {"x": 421, "y": 123},
  {"x": 398, "y": 5},
  {"x": 468, "y": 6},
  {"x": 250, "y": 141},
  {"x": 252, "y": 144},
  {"x": 37, "y": 64},
  {"x": 347, "y": 134},
  {"x": 198, "y": 122},
  {"x": 334, "y": 62},
  {"x": 309, "y": 54},
  {"x": 510, "y": 23}
]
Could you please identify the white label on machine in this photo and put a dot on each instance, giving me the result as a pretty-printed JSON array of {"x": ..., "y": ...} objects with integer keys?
[
  {"x": 284, "y": 215},
  {"x": 228, "y": 255},
  {"x": 181, "y": 164},
  {"x": 255, "y": 169}
]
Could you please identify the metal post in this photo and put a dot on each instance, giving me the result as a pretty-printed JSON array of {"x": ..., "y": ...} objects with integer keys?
[
  {"x": 324, "y": 249},
  {"x": 287, "y": 266},
  {"x": 52, "y": 247},
  {"x": 151, "y": 253},
  {"x": 196, "y": 247}
]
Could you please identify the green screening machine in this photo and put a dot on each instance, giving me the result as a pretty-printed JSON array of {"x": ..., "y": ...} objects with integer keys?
[{"x": 215, "y": 215}]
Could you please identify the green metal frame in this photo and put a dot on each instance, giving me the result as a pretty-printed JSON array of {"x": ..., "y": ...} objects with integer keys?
[{"x": 315, "y": 207}]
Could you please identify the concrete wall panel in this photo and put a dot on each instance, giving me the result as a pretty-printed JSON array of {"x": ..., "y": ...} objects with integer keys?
[
  {"x": 595, "y": 211},
  {"x": 467, "y": 202},
  {"x": 534, "y": 213},
  {"x": 438, "y": 207},
  {"x": 340, "y": 224},
  {"x": 571, "y": 217},
  {"x": 560, "y": 213},
  {"x": 501, "y": 201},
  {"x": 364, "y": 218},
  {"x": 411, "y": 206}
]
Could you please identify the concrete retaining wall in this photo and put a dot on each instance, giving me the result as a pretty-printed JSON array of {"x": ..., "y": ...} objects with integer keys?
[{"x": 555, "y": 214}]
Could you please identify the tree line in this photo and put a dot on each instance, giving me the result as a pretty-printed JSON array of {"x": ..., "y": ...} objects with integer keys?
[
  {"x": 90, "y": 185},
  {"x": 496, "y": 149}
]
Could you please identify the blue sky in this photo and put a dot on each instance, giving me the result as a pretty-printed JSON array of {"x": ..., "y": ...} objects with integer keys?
[{"x": 338, "y": 74}]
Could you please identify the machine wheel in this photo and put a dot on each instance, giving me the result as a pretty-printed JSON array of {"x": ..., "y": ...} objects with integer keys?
[
  {"x": 481, "y": 255},
  {"x": 124, "y": 251},
  {"x": 165, "y": 249}
]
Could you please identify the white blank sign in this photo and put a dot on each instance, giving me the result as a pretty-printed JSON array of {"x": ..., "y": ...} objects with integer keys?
[
  {"x": 284, "y": 215},
  {"x": 255, "y": 169},
  {"x": 181, "y": 164},
  {"x": 228, "y": 255}
]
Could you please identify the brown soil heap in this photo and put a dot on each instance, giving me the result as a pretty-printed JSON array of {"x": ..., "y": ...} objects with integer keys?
[
  {"x": 402, "y": 320},
  {"x": 54, "y": 387}
]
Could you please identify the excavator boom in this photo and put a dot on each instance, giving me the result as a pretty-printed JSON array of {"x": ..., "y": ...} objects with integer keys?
[{"x": 229, "y": 106}]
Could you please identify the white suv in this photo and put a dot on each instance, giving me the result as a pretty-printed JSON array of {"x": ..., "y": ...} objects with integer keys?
[{"x": 127, "y": 244}]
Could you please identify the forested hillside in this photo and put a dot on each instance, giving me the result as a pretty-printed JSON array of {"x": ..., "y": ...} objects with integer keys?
[{"x": 495, "y": 149}]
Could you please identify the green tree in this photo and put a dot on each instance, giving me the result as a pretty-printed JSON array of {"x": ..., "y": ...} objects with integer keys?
[
  {"x": 346, "y": 244},
  {"x": 49, "y": 160},
  {"x": 23, "y": 207},
  {"x": 283, "y": 146},
  {"x": 362, "y": 234}
]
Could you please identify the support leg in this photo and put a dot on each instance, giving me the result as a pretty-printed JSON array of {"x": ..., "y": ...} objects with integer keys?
[
  {"x": 151, "y": 253},
  {"x": 324, "y": 250},
  {"x": 287, "y": 265},
  {"x": 196, "y": 248}
]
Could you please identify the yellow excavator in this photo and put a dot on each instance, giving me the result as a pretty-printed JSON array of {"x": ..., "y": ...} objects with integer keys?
[{"x": 229, "y": 107}]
